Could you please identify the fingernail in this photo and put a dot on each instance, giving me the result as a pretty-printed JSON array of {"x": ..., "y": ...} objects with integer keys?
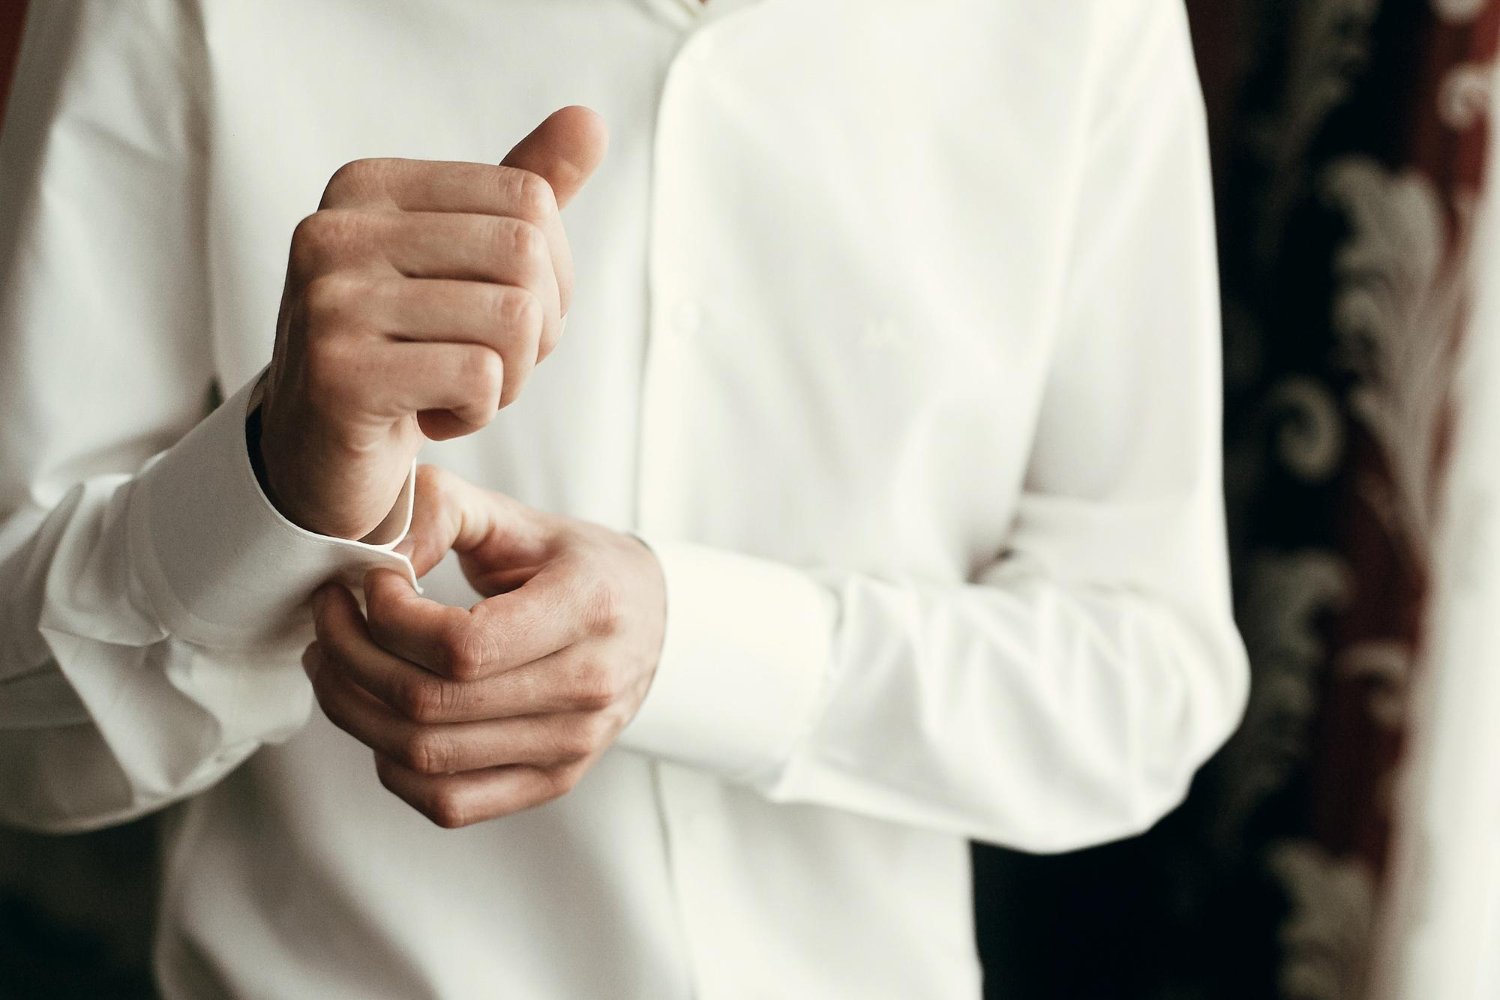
[{"x": 319, "y": 598}]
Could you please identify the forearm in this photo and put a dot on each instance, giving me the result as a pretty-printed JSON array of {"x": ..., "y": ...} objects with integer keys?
[{"x": 153, "y": 625}]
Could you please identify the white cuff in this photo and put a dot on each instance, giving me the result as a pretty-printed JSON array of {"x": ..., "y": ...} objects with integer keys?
[
  {"x": 742, "y": 668},
  {"x": 220, "y": 565}
]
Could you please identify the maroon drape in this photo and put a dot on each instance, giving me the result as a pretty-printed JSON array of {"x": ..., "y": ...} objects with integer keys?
[{"x": 12, "y": 12}]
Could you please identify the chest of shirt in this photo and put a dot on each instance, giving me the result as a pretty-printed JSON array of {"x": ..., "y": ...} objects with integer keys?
[{"x": 828, "y": 238}]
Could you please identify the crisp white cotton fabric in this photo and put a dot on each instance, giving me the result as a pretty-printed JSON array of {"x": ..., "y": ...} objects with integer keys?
[{"x": 895, "y": 336}]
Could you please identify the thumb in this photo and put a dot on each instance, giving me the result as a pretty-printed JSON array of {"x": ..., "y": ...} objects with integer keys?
[
  {"x": 487, "y": 529},
  {"x": 564, "y": 149},
  {"x": 437, "y": 518}
]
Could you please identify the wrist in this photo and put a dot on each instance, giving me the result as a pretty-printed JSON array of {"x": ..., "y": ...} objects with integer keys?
[
  {"x": 258, "y": 438},
  {"x": 267, "y": 459}
]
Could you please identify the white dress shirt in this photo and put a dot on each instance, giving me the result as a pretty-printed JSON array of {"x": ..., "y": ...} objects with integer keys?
[{"x": 895, "y": 336}]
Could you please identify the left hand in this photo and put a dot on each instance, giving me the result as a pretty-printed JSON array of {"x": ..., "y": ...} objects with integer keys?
[{"x": 481, "y": 712}]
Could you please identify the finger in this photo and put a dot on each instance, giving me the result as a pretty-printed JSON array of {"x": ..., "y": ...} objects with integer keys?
[
  {"x": 542, "y": 740},
  {"x": 464, "y": 188},
  {"x": 344, "y": 653},
  {"x": 455, "y": 800},
  {"x": 498, "y": 634},
  {"x": 464, "y": 381},
  {"x": 506, "y": 318},
  {"x": 564, "y": 150},
  {"x": 437, "y": 518},
  {"x": 414, "y": 185},
  {"x": 562, "y": 683},
  {"x": 502, "y": 251},
  {"x": 354, "y": 711},
  {"x": 451, "y": 513}
]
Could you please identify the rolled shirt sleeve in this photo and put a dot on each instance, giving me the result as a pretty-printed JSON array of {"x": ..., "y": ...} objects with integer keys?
[
  {"x": 219, "y": 564},
  {"x": 154, "y": 605}
]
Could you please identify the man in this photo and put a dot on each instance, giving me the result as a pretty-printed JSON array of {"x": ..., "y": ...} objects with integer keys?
[{"x": 869, "y": 501}]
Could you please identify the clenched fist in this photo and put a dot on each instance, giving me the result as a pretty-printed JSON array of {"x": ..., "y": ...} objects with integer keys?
[{"x": 418, "y": 299}]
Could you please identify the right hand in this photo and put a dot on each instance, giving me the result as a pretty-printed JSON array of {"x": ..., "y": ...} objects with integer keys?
[{"x": 418, "y": 299}]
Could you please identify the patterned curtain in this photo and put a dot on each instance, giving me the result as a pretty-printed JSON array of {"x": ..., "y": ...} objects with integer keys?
[{"x": 1350, "y": 140}]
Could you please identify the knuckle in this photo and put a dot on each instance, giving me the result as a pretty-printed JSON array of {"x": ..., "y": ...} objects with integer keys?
[
  {"x": 602, "y": 610},
  {"x": 524, "y": 314},
  {"x": 558, "y": 782},
  {"x": 320, "y": 237},
  {"x": 463, "y": 652},
  {"x": 322, "y": 688},
  {"x": 332, "y": 300},
  {"x": 533, "y": 196},
  {"x": 582, "y": 737},
  {"x": 385, "y": 774},
  {"x": 447, "y": 809},
  {"x": 424, "y": 701},
  {"x": 307, "y": 243},
  {"x": 527, "y": 241},
  {"x": 354, "y": 179},
  {"x": 488, "y": 372},
  {"x": 427, "y": 752},
  {"x": 594, "y": 687}
]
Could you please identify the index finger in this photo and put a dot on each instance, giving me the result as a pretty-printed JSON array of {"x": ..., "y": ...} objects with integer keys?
[
  {"x": 498, "y": 634},
  {"x": 459, "y": 187}
]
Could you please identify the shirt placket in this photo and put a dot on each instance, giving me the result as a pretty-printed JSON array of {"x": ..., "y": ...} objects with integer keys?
[{"x": 681, "y": 315}]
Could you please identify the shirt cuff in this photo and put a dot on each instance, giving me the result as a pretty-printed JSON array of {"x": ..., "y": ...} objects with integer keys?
[
  {"x": 743, "y": 663},
  {"x": 219, "y": 564}
]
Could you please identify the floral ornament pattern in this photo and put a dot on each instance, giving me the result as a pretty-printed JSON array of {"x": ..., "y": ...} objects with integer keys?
[
  {"x": 1328, "y": 48},
  {"x": 1350, "y": 159},
  {"x": 1310, "y": 429},
  {"x": 1458, "y": 10},
  {"x": 1327, "y": 935},
  {"x": 1403, "y": 287},
  {"x": 1287, "y": 597},
  {"x": 1465, "y": 95}
]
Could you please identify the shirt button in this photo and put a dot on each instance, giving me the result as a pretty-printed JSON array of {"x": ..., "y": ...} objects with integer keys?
[{"x": 687, "y": 318}]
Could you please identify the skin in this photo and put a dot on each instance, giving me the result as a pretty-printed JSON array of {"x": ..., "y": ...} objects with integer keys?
[
  {"x": 477, "y": 713},
  {"x": 418, "y": 299}
]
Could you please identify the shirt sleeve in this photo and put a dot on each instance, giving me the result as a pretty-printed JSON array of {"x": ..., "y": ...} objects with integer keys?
[
  {"x": 1066, "y": 695},
  {"x": 155, "y": 602}
]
